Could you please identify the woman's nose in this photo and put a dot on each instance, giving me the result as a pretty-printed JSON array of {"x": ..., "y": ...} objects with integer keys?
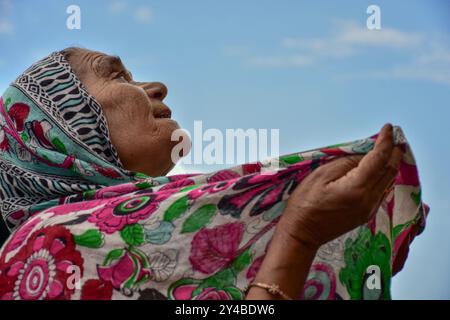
[{"x": 156, "y": 90}]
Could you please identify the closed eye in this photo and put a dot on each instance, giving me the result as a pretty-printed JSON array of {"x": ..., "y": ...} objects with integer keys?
[{"x": 122, "y": 76}]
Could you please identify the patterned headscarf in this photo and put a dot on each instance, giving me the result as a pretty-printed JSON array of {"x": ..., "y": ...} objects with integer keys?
[{"x": 54, "y": 141}]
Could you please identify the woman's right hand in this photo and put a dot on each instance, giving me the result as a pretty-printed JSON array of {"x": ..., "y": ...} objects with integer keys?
[{"x": 341, "y": 195}]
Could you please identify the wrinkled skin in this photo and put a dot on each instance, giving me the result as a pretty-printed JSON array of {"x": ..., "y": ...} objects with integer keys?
[{"x": 139, "y": 122}]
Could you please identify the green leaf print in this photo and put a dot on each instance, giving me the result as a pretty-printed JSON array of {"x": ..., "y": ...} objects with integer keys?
[
  {"x": 242, "y": 261},
  {"x": 199, "y": 218},
  {"x": 59, "y": 145},
  {"x": 176, "y": 209},
  {"x": 139, "y": 175},
  {"x": 416, "y": 197},
  {"x": 133, "y": 234},
  {"x": 143, "y": 185},
  {"x": 399, "y": 228},
  {"x": 24, "y": 137},
  {"x": 291, "y": 158},
  {"x": 89, "y": 194},
  {"x": 92, "y": 238},
  {"x": 365, "y": 251},
  {"x": 222, "y": 279},
  {"x": 113, "y": 255}
]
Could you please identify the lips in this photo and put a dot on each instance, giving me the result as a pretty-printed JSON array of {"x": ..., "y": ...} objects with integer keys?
[
  {"x": 161, "y": 111},
  {"x": 164, "y": 114}
]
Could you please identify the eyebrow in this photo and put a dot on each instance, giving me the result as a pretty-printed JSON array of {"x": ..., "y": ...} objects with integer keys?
[{"x": 115, "y": 61}]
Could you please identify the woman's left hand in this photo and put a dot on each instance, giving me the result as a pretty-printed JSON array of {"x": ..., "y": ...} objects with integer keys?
[{"x": 334, "y": 199}]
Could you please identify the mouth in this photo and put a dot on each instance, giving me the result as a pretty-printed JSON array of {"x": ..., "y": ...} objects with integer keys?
[
  {"x": 161, "y": 111},
  {"x": 164, "y": 115}
]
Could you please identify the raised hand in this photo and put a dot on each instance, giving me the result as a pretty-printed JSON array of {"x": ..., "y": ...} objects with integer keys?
[{"x": 343, "y": 194}]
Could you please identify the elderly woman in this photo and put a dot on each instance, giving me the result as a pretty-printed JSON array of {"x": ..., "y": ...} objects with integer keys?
[{"x": 84, "y": 154}]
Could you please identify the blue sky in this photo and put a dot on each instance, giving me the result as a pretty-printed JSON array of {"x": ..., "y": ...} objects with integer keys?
[{"x": 310, "y": 69}]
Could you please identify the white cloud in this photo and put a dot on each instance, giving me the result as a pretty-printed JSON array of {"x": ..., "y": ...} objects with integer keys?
[
  {"x": 117, "y": 7},
  {"x": 319, "y": 47},
  {"x": 432, "y": 66},
  {"x": 266, "y": 61},
  {"x": 349, "y": 38},
  {"x": 425, "y": 58},
  {"x": 6, "y": 27},
  {"x": 144, "y": 15},
  {"x": 423, "y": 73},
  {"x": 353, "y": 34},
  {"x": 437, "y": 57},
  {"x": 428, "y": 66}
]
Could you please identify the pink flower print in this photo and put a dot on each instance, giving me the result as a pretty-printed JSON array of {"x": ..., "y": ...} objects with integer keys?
[
  {"x": 21, "y": 234},
  {"x": 119, "y": 212},
  {"x": 268, "y": 189},
  {"x": 40, "y": 269},
  {"x": 213, "y": 249},
  {"x": 188, "y": 291},
  {"x": 126, "y": 271}
]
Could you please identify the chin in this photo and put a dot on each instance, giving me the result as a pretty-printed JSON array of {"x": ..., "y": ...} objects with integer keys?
[
  {"x": 171, "y": 124},
  {"x": 168, "y": 127}
]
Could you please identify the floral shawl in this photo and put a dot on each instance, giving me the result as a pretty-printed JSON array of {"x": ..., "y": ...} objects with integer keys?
[{"x": 85, "y": 228}]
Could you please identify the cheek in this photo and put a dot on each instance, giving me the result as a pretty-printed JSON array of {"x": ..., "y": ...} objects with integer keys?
[
  {"x": 127, "y": 112},
  {"x": 126, "y": 103},
  {"x": 142, "y": 141},
  {"x": 137, "y": 107}
]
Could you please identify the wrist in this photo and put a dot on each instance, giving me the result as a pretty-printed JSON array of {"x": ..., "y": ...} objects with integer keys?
[
  {"x": 286, "y": 264},
  {"x": 292, "y": 240},
  {"x": 297, "y": 233}
]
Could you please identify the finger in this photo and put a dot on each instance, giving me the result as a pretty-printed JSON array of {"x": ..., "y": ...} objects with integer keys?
[
  {"x": 373, "y": 166},
  {"x": 339, "y": 167},
  {"x": 391, "y": 171}
]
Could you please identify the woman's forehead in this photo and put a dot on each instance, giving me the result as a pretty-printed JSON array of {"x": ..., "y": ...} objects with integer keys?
[
  {"x": 110, "y": 62},
  {"x": 86, "y": 55}
]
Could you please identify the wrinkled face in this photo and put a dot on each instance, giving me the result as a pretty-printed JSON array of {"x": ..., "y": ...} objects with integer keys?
[{"x": 139, "y": 122}]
